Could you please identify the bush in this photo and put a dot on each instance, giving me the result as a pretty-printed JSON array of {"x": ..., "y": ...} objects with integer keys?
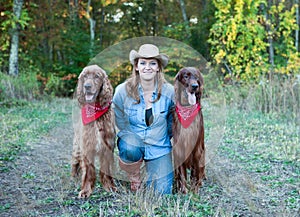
[
  {"x": 279, "y": 95},
  {"x": 24, "y": 86}
]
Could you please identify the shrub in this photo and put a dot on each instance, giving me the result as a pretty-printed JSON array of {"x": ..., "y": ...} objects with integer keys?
[
  {"x": 24, "y": 86},
  {"x": 279, "y": 95}
]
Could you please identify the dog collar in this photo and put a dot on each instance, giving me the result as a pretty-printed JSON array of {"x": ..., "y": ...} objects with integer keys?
[
  {"x": 91, "y": 112},
  {"x": 186, "y": 115}
]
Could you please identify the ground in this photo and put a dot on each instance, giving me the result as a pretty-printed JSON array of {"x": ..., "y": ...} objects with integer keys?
[{"x": 38, "y": 183}]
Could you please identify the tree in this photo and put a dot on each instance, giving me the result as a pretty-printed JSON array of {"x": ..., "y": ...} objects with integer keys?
[
  {"x": 13, "y": 58},
  {"x": 298, "y": 24},
  {"x": 92, "y": 23},
  {"x": 183, "y": 10},
  {"x": 237, "y": 38},
  {"x": 254, "y": 38}
]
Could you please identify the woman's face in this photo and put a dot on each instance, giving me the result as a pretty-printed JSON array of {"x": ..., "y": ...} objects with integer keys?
[{"x": 147, "y": 68}]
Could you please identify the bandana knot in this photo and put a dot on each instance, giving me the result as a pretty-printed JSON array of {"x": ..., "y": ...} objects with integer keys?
[
  {"x": 90, "y": 113},
  {"x": 186, "y": 115}
]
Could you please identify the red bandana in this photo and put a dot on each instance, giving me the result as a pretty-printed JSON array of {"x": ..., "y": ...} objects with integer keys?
[
  {"x": 90, "y": 113},
  {"x": 186, "y": 115}
]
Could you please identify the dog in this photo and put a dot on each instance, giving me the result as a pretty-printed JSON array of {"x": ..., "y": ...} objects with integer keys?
[
  {"x": 188, "y": 130},
  {"x": 96, "y": 136}
]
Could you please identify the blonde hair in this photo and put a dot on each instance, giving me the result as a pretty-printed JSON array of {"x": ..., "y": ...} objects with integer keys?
[{"x": 132, "y": 83}]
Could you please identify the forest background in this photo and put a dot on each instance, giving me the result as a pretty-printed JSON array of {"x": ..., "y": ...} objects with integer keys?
[
  {"x": 252, "y": 46},
  {"x": 45, "y": 44}
]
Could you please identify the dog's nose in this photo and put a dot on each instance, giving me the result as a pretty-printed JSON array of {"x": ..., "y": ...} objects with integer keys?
[
  {"x": 195, "y": 86},
  {"x": 87, "y": 86}
]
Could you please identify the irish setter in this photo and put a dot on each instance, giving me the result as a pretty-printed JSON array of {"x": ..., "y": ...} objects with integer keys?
[
  {"x": 96, "y": 134},
  {"x": 188, "y": 130}
]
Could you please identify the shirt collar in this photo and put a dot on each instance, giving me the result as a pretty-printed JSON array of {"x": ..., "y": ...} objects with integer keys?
[{"x": 141, "y": 89}]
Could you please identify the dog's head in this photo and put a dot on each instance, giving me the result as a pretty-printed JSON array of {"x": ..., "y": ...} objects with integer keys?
[
  {"x": 189, "y": 85},
  {"x": 93, "y": 85}
]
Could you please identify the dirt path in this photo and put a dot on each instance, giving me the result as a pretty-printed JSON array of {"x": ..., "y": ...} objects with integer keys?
[
  {"x": 39, "y": 179},
  {"x": 39, "y": 184}
]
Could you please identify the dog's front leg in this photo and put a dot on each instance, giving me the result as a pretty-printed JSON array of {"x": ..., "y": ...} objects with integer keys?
[
  {"x": 76, "y": 157},
  {"x": 182, "y": 179},
  {"x": 106, "y": 164},
  {"x": 88, "y": 177}
]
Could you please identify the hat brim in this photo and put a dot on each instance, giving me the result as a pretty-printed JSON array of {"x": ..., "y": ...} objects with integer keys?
[{"x": 163, "y": 58}]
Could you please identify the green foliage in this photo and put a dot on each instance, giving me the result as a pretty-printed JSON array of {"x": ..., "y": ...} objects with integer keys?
[
  {"x": 280, "y": 95},
  {"x": 120, "y": 74},
  {"x": 239, "y": 36},
  {"x": 25, "y": 86},
  {"x": 139, "y": 18},
  {"x": 238, "y": 39},
  {"x": 288, "y": 59},
  {"x": 199, "y": 38},
  {"x": 55, "y": 38},
  {"x": 58, "y": 43},
  {"x": 53, "y": 85},
  {"x": 8, "y": 22},
  {"x": 12, "y": 22},
  {"x": 178, "y": 31}
]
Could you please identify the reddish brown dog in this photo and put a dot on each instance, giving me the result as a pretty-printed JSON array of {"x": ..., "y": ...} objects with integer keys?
[
  {"x": 96, "y": 135},
  {"x": 188, "y": 130}
]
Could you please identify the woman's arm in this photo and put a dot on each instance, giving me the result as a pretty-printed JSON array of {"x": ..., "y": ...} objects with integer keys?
[{"x": 121, "y": 118}]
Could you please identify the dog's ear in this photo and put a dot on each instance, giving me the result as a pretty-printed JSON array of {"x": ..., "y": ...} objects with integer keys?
[
  {"x": 201, "y": 79},
  {"x": 106, "y": 90},
  {"x": 179, "y": 75},
  {"x": 79, "y": 90}
]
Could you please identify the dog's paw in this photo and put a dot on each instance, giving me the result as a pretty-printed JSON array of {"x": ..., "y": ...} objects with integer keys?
[
  {"x": 183, "y": 190},
  {"x": 85, "y": 193},
  {"x": 110, "y": 188}
]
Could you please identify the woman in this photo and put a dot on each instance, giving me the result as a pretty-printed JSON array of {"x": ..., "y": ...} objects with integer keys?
[{"x": 143, "y": 108}]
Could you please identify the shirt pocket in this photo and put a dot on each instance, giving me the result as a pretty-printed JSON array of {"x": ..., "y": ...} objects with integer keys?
[
  {"x": 161, "y": 117},
  {"x": 132, "y": 115}
]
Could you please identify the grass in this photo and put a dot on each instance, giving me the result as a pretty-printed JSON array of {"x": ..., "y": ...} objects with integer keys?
[
  {"x": 25, "y": 122},
  {"x": 268, "y": 148},
  {"x": 255, "y": 170}
]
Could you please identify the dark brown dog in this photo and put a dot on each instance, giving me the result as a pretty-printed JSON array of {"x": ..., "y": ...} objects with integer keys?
[
  {"x": 96, "y": 135},
  {"x": 188, "y": 130}
]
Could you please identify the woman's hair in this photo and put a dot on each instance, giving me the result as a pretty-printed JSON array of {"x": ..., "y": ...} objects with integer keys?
[{"x": 132, "y": 83}]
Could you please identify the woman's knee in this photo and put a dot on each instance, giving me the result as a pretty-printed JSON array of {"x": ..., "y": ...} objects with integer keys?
[{"x": 129, "y": 153}]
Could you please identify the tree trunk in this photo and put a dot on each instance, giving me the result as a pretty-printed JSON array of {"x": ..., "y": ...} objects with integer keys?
[
  {"x": 102, "y": 25},
  {"x": 13, "y": 57},
  {"x": 183, "y": 11},
  {"x": 269, "y": 37},
  {"x": 298, "y": 23},
  {"x": 92, "y": 27}
]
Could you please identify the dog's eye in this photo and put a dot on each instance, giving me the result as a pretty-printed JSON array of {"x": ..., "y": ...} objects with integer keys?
[{"x": 96, "y": 76}]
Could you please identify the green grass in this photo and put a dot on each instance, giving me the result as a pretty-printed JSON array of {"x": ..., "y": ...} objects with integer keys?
[
  {"x": 264, "y": 147},
  {"x": 258, "y": 144},
  {"x": 27, "y": 121},
  {"x": 262, "y": 137}
]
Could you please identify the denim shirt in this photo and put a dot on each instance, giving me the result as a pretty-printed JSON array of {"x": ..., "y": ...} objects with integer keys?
[{"x": 131, "y": 123}]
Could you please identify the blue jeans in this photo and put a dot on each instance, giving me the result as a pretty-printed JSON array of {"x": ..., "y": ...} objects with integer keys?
[{"x": 159, "y": 171}]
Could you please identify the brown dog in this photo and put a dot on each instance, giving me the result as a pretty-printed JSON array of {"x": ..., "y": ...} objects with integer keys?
[
  {"x": 188, "y": 130},
  {"x": 97, "y": 134}
]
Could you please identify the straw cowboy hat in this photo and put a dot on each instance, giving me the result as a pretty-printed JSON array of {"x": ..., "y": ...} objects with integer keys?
[{"x": 148, "y": 51}]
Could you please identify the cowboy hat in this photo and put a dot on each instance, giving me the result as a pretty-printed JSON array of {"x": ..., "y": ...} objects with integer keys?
[{"x": 148, "y": 51}]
